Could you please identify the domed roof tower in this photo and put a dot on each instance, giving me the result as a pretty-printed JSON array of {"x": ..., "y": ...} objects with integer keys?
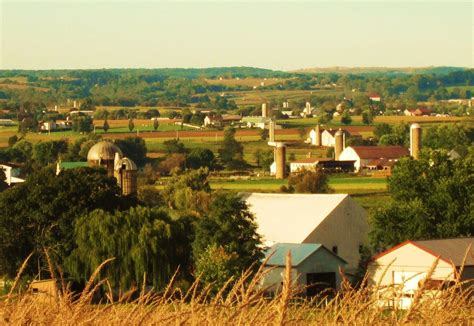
[
  {"x": 103, "y": 154},
  {"x": 125, "y": 171}
]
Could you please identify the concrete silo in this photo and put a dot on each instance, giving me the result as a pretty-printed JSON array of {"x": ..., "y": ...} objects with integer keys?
[
  {"x": 317, "y": 131},
  {"x": 415, "y": 140},
  {"x": 264, "y": 110},
  {"x": 339, "y": 144},
  {"x": 126, "y": 174},
  {"x": 280, "y": 160}
]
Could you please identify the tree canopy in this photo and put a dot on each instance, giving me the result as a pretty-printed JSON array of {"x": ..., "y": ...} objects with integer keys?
[{"x": 432, "y": 198}]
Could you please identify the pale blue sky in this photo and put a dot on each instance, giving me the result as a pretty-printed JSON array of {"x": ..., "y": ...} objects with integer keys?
[{"x": 277, "y": 35}]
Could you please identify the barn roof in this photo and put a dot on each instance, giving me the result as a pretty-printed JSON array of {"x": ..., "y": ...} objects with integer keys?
[
  {"x": 452, "y": 250},
  {"x": 291, "y": 218},
  {"x": 299, "y": 253},
  {"x": 449, "y": 250},
  {"x": 375, "y": 152}
]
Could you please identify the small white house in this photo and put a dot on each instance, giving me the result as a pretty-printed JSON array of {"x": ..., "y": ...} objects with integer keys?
[
  {"x": 400, "y": 270},
  {"x": 364, "y": 155}
]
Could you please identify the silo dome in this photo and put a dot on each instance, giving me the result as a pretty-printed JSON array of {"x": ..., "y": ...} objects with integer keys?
[
  {"x": 125, "y": 164},
  {"x": 103, "y": 151}
]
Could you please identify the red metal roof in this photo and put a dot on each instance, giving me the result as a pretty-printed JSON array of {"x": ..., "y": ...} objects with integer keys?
[{"x": 377, "y": 152}]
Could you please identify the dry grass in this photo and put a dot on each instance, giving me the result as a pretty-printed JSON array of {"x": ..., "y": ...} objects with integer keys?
[{"x": 242, "y": 303}]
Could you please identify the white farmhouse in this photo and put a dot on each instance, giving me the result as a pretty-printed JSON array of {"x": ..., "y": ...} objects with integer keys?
[{"x": 336, "y": 221}]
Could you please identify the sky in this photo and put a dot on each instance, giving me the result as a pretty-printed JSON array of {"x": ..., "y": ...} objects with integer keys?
[{"x": 284, "y": 35}]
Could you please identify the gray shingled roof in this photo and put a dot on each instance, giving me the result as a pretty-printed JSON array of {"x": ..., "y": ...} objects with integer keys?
[{"x": 451, "y": 250}]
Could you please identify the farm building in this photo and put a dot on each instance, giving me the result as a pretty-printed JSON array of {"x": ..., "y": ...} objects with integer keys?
[
  {"x": 418, "y": 112},
  {"x": 327, "y": 137},
  {"x": 314, "y": 268},
  {"x": 12, "y": 173},
  {"x": 366, "y": 155},
  {"x": 336, "y": 221},
  {"x": 258, "y": 122},
  {"x": 374, "y": 97},
  {"x": 329, "y": 164},
  {"x": 406, "y": 264},
  {"x": 221, "y": 120}
]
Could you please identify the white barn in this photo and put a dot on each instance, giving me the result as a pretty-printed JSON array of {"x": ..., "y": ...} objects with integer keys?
[
  {"x": 336, "y": 221},
  {"x": 364, "y": 155}
]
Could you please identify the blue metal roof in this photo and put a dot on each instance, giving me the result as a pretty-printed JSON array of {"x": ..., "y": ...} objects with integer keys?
[{"x": 299, "y": 252}]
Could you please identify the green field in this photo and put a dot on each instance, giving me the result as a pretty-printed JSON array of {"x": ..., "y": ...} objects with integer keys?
[{"x": 351, "y": 185}]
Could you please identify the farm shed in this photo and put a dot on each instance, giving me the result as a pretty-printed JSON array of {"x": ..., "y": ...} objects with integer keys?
[
  {"x": 336, "y": 221},
  {"x": 406, "y": 264},
  {"x": 314, "y": 268}
]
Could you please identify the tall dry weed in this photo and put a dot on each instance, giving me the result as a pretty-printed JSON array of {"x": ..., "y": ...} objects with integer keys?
[{"x": 242, "y": 302}]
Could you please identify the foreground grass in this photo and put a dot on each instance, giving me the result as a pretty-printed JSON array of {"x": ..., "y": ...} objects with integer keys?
[{"x": 240, "y": 302}]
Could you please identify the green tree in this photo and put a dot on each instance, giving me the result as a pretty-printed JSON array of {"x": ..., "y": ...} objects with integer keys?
[
  {"x": 264, "y": 133},
  {"x": 307, "y": 181},
  {"x": 143, "y": 241},
  {"x": 3, "y": 184},
  {"x": 133, "y": 148},
  {"x": 131, "y": 125},
  {"x": 229, "y": 225},
  {"x": 382, "y": 129},
  {"x": 200, "y": 157},
  {"x": 231, "y": 151},
  {"x": 173, "y": 146},
  {"x": 367, "y": 117},
  {"x": 44, "y": 212},
  {"x": 264, "y": 158},
  {"x": 82, "y": 124},
  {"x": 45, "y": 153},
  {"x": 346, "y": 118},
  {"x": 189, "y": 191},
  {"x": 106, "y": 125},
  {"x": 215, "y": 267},
  {"x": 390, "y": 139},
  {"x": 431, "y": 198},
  {"x": 12, "y": 140}
]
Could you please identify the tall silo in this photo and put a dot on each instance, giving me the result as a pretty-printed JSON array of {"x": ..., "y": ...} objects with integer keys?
[
  {"x": 317, "y": 136},
  {"x": 264, "y": 110},
  {"x": 280, "y": 160},
  {"x": 415, "y": 140},
  {"x": 126, "y": 175},
  {"x": 339, "y": 144},
  {"x": 271, "y": 130}
]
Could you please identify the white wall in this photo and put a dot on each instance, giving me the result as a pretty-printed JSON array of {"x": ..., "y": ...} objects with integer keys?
[
  {"x": 348, "y": 154},
  {"x": 345, "y": 227},
  {"x": 327, "y": 139}
]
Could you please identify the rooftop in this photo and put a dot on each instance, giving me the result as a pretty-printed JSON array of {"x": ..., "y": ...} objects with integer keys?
[
  {"x": 296, "y": 215},
  {"x": 374, "y": 152}
]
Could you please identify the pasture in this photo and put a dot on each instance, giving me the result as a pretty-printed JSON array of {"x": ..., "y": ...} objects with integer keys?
[{"x": 250, "y": 82}]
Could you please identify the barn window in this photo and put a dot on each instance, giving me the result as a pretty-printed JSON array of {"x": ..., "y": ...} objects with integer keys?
[{"x": 334, "y": 249}]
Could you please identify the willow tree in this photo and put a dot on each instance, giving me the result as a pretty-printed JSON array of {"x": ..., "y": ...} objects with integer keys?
[{"x": 143, "y": 241}]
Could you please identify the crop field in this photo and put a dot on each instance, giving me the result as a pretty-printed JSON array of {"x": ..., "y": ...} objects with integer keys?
[
  {"x": 246, "y": 81},
  {"x": 258, "y": 96},
  {"x": 349, "y": 185}
]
